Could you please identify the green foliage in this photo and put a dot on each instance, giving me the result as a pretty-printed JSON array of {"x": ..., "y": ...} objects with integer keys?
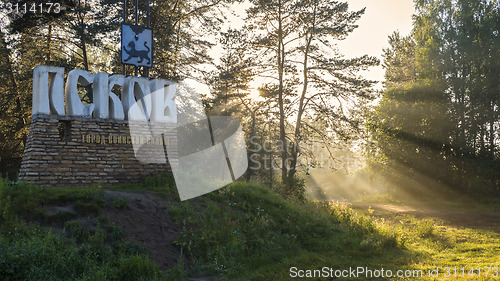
[
  {"x": 293, "y": 191},
  {"x": 310, "y": 91},
  {"x": 243, "y": 230},
  {"x": 229, "y": 83},
  {"x": 435, "y": 125},
  {"x": 425, "y": 228},
  {"x": 178, "y": 272},
  {"x": 248, "y": 230},
  {"x": 41, "y": 255},
  {"x": 180, "y": 44},
  {"x": 180, "y": 212},
  {"x": 14, "y": 112},
  {"x": 81, "y": 253},
  {"x": 120, "y": 202},
  {"x": 136, "y": 267},
  {"x": 27, "y": 201},
  {"x": 59, "y": 217},
  {"x": 439, "y": 242},
  {"x": 87, "y": 207},
  {"x": 84, "y": 35},
  {"x": 77, "y": 230},
  {"x": 160, "y": 181},
  {"x": 129, "y": 247},
  {"x": 163, "y": 183}
]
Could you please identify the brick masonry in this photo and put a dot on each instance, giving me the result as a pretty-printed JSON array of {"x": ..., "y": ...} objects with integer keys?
[{"x": 81, "y": 151}]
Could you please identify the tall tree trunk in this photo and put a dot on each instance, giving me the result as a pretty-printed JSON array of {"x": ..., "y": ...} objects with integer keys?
[
  {"x": 492, "y": 131},
  {"x": 296, "y": 143},
  {"x": 281, "y": 59},
  {"x": 16, "y": 93},
  {"x": 81, "y": 19},
  {"x": 85, "y": 58},
  {"x": 482, "y": 136},
  {"x": 252, "y": 133},
  {"x": 49, "y": 38}
]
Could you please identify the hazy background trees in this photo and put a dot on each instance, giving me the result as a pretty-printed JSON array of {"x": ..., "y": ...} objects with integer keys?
[{"x": 437, "y": 126}]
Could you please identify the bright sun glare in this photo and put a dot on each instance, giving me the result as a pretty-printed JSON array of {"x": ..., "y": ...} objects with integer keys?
[{"x": 254, "y": 94}]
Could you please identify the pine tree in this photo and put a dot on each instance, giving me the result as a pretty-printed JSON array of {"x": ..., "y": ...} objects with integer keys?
[{"x": 293, "y": 39}]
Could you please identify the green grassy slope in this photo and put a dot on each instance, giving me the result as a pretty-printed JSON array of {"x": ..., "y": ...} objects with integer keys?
[
  {"x": 242, "y": 232},
  {"x": 249, "y": 233}
]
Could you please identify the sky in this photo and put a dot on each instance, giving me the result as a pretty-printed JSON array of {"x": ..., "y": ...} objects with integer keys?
[{"x": 381, "y": 19}]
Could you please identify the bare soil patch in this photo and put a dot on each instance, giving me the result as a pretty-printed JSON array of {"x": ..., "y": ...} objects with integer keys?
[
  {"x": 140, "y": 215},
  {"x": 144, "y": 220}
]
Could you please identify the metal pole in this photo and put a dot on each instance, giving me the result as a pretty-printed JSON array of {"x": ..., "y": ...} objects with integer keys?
[
  {"x": 147, "y": 13},
  {"x": 124, "y": 20},
  {"x": 136, "y": 19},
  {"x": 136, "y": 22},
  {"x": 124, "y": 11},
  {"x": 147, "y": 21}
]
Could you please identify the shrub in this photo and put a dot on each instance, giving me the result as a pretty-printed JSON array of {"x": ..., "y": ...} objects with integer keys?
[
  {"x": 136, "y": 268},
  {"x": 120, "y": 202},
  {"x": 425, "y": 228},
  {"x": 296, "y": 190}
]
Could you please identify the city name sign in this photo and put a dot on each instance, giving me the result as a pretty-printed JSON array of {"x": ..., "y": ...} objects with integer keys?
[{"x": 141, "y": 99}]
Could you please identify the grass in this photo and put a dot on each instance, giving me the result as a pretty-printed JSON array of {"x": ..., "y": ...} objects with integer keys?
[
  {"x": 436, "y": 244},
  {"x": 249, "y": 233},
  {"x": 241, "y": 232},
  {"x": 31, "y": 252}
]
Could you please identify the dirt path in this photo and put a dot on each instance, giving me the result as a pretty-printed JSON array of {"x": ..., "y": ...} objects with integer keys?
[{"x": 459, "y": 218}]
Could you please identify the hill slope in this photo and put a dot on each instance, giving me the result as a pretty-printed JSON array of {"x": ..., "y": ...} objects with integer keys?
[{"x": 143, "y": 232}]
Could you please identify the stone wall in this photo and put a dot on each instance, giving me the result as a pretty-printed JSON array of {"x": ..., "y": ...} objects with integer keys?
[{"x": 81, "y": 151}]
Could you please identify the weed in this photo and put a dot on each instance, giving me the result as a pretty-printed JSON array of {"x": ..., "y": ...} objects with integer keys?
[
  {"x": 425, "y": 228},
  {"x": 60, "y": 217},
  {"x": 77, "y": 230},
  {"x": 120, "y": 202},
  {"x": 87, "y": 208},
  {"x": 130, "y": 247},
  {"x": 136, "y": 267},
  {"x": 178, "y": 272},
  {"x": 115, "y": 233}
]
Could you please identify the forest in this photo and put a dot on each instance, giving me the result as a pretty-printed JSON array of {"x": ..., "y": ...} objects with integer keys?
[{"x": 434, "y": 125}]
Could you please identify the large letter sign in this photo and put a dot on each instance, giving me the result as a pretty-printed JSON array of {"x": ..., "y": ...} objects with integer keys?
[
  {"x": 162, "y": 100},
  {"x": 51, "y": 96},
  {"x": 136, "y": 87},
  {"x": 74, "y": 105},
  {"x": 210, "y": 152},
  {"x": 115, "y": 105},
  {"x": 48, "y": 90},
  {"x": 101, "y": 95}
]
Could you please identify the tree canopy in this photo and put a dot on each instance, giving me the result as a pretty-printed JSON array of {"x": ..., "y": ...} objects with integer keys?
[{"x": 438, "y": 122}]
